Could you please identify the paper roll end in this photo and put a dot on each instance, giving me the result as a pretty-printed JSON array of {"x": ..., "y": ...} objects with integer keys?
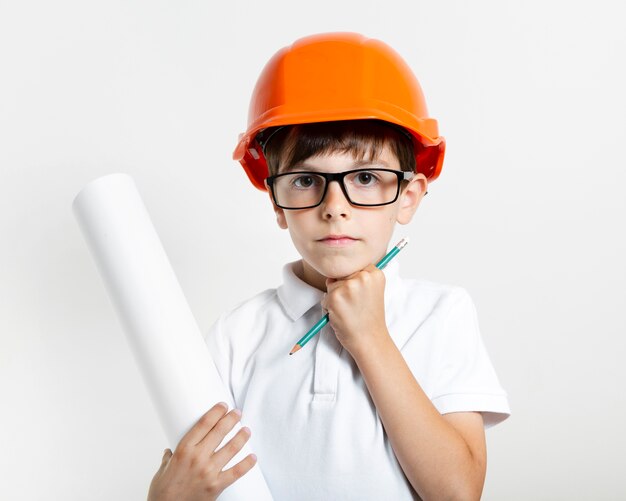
[{"x": 102, "y": 182}]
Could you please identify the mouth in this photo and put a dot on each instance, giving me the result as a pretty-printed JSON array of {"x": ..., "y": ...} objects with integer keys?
[{"x": 338, "y": 240}]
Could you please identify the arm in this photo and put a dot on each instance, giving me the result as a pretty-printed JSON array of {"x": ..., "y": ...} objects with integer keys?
[{"x": 443, "y": 457}]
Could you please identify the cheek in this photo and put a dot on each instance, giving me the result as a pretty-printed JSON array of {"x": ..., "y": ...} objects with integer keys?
[
  {"x": 297, "y": 222},
  {"x": 393, "y": 214},
  {"x": 382, "y": 219}
]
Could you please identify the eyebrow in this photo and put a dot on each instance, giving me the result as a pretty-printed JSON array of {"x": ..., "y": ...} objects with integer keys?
[{"x": 355, "y": 165}]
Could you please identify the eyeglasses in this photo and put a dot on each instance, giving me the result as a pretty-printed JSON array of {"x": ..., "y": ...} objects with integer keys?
[{"x": 362, "y": 187}]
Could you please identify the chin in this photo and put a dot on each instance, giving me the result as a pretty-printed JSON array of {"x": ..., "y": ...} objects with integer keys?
[{"x": 339, "y": 267}]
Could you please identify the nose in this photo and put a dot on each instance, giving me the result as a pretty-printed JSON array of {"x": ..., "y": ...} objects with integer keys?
[{"x": 335, "y": 203}]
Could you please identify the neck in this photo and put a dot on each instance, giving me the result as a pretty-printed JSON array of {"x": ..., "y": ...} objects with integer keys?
[{"x": 311, "y": 276}]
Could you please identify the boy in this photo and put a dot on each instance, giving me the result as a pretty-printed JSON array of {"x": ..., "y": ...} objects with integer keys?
[{"x": 391, "y": 399}]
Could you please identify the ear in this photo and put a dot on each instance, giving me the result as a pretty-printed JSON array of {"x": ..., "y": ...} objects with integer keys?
[
  {"x": 410, "y": 198},
  {"x": 280, "y": 213}
]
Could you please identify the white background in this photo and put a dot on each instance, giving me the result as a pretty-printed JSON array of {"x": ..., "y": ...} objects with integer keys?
[{"x": 528, "y": 215}]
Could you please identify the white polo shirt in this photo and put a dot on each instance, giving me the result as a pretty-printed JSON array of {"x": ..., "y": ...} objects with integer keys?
[{"x": 314, "y": 426}]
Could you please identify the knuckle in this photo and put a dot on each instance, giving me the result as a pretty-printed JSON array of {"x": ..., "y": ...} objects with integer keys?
[
  {"x": 212, "y": 486},
  {"x": 221, "y": 428},
  {"x": 205, "y": 420},
  {"x": 239, "y": 470},
  {"x": 182, "y": 453},
  {"x": 238, "y": 441},
  {"x": 247, "y": 464},
  {"x": 208, "y": 472},
  {"x": 227, "y": 422},
  {"x": 193, "y": 462},
  {"x": 234, "y": 416},
  {"x": 242, "y": 437},
  {"x": 233, "y": 447},
  {"x": 191, "y": 459}
]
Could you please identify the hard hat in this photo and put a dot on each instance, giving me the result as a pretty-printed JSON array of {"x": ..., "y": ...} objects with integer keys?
[{"x": 338, "y": 76}]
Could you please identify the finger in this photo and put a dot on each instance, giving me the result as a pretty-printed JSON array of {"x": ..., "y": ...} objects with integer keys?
[
  {"x": 332, "y": 284},
  {"x": 377, "y": 271},
  {"x": 167, "y": 454},
  {"x": 230, "y": 449},
  {"x": 239, "y": 470},
  {"x": 353, "y": 275},
  {"x": 214, "y": 438},
  {"x": 204, "y": 425}
]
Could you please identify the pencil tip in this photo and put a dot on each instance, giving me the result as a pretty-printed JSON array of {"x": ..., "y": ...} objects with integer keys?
[{"x": 294, "y": 349}]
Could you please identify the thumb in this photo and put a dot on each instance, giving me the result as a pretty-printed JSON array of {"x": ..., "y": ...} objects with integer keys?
[
  {"x": 167, "y": 454},
  {"x": 323, "y": 302}
]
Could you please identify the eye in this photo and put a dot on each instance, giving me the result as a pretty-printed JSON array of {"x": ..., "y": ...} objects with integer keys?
[
  {"x": 305, "y": 181},
  {"x": 365, "y": 178}
]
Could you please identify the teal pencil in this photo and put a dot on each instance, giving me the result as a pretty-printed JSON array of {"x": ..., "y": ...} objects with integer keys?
[{"x": 324, "y": 320}]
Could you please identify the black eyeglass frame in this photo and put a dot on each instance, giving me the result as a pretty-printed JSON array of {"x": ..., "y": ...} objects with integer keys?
[{"x": 402, "y": 175}]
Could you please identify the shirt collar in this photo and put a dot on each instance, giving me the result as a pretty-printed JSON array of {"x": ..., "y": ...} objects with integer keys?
[{"x": 297, "y": 297}]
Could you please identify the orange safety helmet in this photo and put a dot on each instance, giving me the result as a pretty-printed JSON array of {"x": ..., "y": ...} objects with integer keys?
[{"x": 338, "y": 76}]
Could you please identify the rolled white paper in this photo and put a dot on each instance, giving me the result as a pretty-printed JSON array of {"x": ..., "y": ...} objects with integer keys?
[{"x": 165, "y": 339}]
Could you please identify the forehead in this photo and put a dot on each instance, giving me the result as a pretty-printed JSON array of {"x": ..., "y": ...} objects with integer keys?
[{"x": 337, "y": 161}]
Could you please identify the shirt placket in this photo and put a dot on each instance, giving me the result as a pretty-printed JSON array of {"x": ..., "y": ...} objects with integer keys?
[{"x": 327, "y": 362}]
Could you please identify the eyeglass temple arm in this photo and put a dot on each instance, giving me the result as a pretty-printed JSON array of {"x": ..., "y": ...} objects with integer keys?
[{"x": 408, "y": 175}]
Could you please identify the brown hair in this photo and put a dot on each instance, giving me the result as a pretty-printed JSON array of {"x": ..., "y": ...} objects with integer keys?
[{"x": 294, "y": 143}]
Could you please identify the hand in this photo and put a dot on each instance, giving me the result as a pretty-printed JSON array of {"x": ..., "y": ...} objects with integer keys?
[
  {"x": 356, "y": 308},
  {"x": 194, "y": 471}
]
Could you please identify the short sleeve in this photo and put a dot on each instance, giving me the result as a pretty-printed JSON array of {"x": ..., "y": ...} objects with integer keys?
[
  {"x": 466, "y": 380},
  {"x": 221, "y": 353}
]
